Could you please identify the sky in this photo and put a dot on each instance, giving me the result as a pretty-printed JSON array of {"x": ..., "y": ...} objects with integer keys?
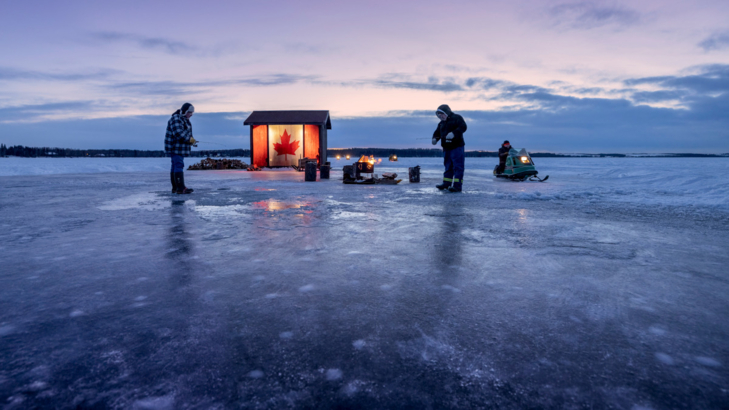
[{"x": 558, "y": 76}]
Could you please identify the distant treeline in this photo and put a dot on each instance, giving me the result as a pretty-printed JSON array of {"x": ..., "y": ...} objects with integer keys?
[
  {"x": 437, "y": 152},
  {"x": 34, "y": 152}
]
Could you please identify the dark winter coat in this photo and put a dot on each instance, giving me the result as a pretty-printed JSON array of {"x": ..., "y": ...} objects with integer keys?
[
  {"x": 177, "y": 138},
  {"x": 453, "y": 124},
  {"x": 503, "y": 154}
]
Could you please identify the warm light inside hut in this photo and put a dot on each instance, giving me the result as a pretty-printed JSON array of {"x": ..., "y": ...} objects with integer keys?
[{"x": 283, "y": 138}]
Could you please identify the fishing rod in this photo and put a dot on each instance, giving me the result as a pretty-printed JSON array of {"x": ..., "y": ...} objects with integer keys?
[{"x": 214, "y": 143}]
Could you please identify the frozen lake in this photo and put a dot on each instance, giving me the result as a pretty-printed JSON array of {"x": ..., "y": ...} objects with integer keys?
[{"x": 605, "y": 287}]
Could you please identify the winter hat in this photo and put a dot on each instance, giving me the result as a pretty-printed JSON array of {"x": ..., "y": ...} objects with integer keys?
[
  {"x": 506, "y": 142},
  {"x": 186, "y": 107}
]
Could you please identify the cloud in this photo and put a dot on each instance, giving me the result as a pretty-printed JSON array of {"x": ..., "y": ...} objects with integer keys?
[
  {"x": 133, "y": 132},
  {"x": 39, "y": 112},
  {"x": 405, "y": 82},
  {"x": 433, "y": 83},
  {"x": 556, "y": 119},
  {"x": 568, "y": 125},
  {"x": 709, "y": 79},
  {"x": 156, "y": 43},
  {"x": 715, "y": 41},
  {"x": 656, "y": 96},
  {"x": 8, "y": 73},
  {"x": 557, "y": 124},
  {"x": 170, "y": 88},
  {"x": 592, "y": 14},
  {"x": 306, "y": 48},
  {"x": 483, "y": 83}
]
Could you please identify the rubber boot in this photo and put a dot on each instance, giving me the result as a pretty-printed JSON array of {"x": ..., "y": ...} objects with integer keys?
[
  {"x": 455, "y": 188},
  {"x": 174, "y": 182},
  {"x": 181, "y": 188},
  {"x": 444, "y": 185}
]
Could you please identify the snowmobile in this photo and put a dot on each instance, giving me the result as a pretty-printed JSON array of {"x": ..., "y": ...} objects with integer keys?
[{"x": 519, "y": 167}]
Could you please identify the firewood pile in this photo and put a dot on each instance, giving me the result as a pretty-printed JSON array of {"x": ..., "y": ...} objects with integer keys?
[
  {"x": 388, "y": 178},
  {"x": 209, "y": 163}
]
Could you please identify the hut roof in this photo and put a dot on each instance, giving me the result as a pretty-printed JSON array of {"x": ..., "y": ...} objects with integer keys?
[{"x": 289, "y": 117}]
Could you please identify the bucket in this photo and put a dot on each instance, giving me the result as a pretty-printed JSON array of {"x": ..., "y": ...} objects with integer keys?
[
  {"x": 310, "y": 172},
  {"x": 414, "y": 174},
  {"x": 324, "y": 172}
]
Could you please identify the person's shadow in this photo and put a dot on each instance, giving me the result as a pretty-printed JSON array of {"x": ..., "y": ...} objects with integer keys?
[
  {"x": 179, "y": 246},
  {"x": 448, "y": 253},
  {"x": 431, "y": 293}
]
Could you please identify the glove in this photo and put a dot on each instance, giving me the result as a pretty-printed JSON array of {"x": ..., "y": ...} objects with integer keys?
[
  {"x": 449, "y": 137},
  {"x": 435, "y": 140},
  {"x": 193, "y": 142}
]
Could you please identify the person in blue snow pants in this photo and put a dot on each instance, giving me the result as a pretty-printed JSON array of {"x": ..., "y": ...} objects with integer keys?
[
  {"x": 178, "y": 163},
  {"x": 454, "y": 162},
  {"x": 178, "y": 140},
  {"x": 450, "y": 134}
]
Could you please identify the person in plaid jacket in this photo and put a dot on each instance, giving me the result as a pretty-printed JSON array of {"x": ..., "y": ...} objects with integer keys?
[{"x": 178, "y": 141}]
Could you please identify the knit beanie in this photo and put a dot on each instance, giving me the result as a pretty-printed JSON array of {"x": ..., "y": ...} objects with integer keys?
[{"x": 186, "y": 107}]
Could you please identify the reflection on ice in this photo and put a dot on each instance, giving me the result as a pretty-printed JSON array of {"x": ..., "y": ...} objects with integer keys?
[{"x": 275, "y": 205}]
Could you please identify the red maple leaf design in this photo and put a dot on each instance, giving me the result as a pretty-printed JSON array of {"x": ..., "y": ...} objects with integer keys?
[{"x": 286, "y": 147}]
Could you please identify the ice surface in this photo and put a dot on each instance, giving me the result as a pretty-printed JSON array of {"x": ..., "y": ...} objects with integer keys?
[
  {"x": 649, "y": 181},
  {"x": 605, "y": 287}
]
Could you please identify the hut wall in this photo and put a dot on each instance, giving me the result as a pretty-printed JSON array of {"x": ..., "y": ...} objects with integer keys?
[
  {"x": 285, "y": 145},
  {"x": 311, "y": 141},
  {"x": 323, "y": 143},
  {"x": 259, "y": 145}
]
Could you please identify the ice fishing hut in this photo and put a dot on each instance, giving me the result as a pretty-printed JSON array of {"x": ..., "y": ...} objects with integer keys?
[{"x": 281, "y": 138}]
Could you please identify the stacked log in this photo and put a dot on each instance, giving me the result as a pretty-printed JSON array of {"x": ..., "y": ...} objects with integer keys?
[{"x": 209, "y": 164}]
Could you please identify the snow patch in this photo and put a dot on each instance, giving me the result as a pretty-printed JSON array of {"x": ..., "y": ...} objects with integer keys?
[
  {"x": 6, "y": 330},
  {"x": 707, "y": 361},
  {"x": 334, "y": 374},
  {"x": 255, "y": 374},
  {"x": 147, "y": 201},
  {"x": 155, "y": 403},
  {"x": 664, "y": 358}
]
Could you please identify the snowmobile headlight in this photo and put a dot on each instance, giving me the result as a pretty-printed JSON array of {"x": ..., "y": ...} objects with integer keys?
[{"x": 525, "y": 160}]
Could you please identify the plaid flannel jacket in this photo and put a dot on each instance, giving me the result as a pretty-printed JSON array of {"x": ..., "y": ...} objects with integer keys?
[{"x": 177, "y": 139}]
